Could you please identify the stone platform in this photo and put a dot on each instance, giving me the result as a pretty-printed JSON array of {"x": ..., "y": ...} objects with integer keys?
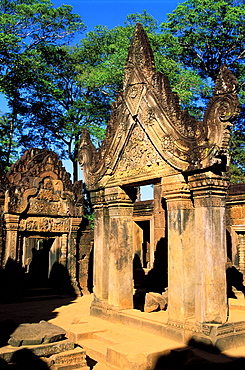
[
  {"x": 116, "y": 346},
  {"x": 221, "y": 337}
]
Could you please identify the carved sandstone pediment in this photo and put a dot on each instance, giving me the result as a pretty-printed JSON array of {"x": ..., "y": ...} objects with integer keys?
[
  {"x": 39, "y": 185},
  {"x": 148, "y": 128}
]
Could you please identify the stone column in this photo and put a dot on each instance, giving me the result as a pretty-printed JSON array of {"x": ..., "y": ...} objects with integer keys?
[
  {"x": 209, "y": 194},
  {"x": 72, "y": 254},
  {"x": 12, "y": 223},
  {"x": 120, "y": 267},
  {"x": 181, "y": 277},
  {"x": 241, "y": 252},
  {"x": 101, "y": 247},
  {"x": 159, "y": 217},
  {"x": 63, "y": 254}
]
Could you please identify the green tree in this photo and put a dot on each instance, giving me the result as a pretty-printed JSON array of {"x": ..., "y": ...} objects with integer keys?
[
  {"x": 73, "y": 87},
  {"x": 105, "y": 52},
  {"x": 203, "y": 35},
  {"x": 59, "y": 105},
  {"x": 26, "y": 27},
  {"x": 7, "y": 143}
]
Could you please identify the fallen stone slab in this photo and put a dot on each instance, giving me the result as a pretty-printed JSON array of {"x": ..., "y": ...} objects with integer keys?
[
  {"x": 155, "y": 301},
  {"x": 41, "y": 350},
  {"x": 38, "y": 333}
]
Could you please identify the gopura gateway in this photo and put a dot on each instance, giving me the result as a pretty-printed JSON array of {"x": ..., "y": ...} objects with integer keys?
[{"x": 150, "y": 140}]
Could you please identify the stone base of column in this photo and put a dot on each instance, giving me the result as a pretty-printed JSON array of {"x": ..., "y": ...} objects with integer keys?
[
  {"x": 219, "y": 336},
  {"x": 104, "y": 311},
  {"x": 212, "y": 337},
  {"x": 74, "y": 285}
]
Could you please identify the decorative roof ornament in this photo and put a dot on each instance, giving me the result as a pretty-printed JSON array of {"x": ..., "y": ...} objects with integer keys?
[{"x": 148, "y": 102}]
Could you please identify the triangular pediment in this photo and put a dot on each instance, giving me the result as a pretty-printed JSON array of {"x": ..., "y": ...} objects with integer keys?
[
  {"x": 148, "y": 127},
  {"x": 133, "y": 155}
]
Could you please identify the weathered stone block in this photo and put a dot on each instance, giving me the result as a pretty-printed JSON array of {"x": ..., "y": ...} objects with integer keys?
[
  {"x": 155, "y": 301},
  {"x": 72, "y": 359},
  {"x": 41, "y": 350},
  {"x": 236, "y": 213},
  {"x": 32, "y": 334}
]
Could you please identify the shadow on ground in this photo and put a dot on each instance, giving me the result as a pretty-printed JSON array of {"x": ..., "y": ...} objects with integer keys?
[
  {"x": 24, "y": 359},
  {"x": 198, "y": 356},
  {"x": 20, "y": 304}
]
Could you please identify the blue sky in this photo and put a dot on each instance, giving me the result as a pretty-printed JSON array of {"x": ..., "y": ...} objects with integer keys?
[{"x": 112, "y": 13}]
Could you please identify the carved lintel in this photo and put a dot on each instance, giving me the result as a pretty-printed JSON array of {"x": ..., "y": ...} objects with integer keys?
[{"x": 45, "y": 224}]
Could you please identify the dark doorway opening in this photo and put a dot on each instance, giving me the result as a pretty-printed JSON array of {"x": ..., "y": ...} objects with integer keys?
[{"x": 39, "y": 267}]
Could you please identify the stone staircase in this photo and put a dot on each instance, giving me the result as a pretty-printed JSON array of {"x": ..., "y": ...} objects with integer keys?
[
  {"x": 116, "y": 346},
  {"x": 139, "y": 341}
]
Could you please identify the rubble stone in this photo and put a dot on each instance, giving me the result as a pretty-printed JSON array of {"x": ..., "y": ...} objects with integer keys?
[{"x": 31, "y": 334}]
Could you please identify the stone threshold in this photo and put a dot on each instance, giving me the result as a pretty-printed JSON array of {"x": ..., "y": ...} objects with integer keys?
[{"x": 220, "y": 337}]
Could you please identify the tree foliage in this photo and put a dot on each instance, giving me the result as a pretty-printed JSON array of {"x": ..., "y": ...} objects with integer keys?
[
  {"x": 105, "y": 51},
  {"x": 63, "y": 89},
  {"x": 204, "y": 35},
  {"x": 27, "y": 27},
  {"x": 60, "y": 104}
]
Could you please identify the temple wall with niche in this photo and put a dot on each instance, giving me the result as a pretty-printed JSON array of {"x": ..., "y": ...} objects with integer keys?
[
  {"x": 43, "y": 228},
  {"x": 150, "y": 140}
]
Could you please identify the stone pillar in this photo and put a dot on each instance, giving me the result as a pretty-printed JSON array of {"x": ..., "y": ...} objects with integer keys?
[
  {"x": 159, "y": 217},
  {"x": 120, "y": 267},
  {"x": 241, "y": 252},
  {"x": 63, "y": 254},
  {"x": 72, "y": 254},
  {"x": 209, "y": 194},
  {"x": 181, "y": 277},
  {"x": 12, "y": 223},
  {"x": 101, "y": 247}
]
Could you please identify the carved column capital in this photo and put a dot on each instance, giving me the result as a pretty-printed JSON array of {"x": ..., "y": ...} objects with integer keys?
[
  {"x": 12, "y": 222},
  {"x": 118, "y": 199},
  {"x": 209, "y": 190},
  {"x": 75, "y": 223},
  {"x": 177, "y": 195},
  {"x": 97, "y": 198}
]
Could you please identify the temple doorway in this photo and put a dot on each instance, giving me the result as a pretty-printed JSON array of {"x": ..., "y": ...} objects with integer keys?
[
  {"x": 150, "y": 246},
  {"x": 39, "y": 255},
  {"x": 142, "y": 242}
]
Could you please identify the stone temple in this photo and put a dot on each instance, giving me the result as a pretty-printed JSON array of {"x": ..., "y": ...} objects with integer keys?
[
  {"x": 183, "y": 251},
  {"x": 42, "y": 225},
  {"x": 150, "y": 140}
]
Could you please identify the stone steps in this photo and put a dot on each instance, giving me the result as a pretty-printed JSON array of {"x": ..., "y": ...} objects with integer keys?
[
  {"x": 101, "y": 366},
  {"x": 111, "y": 338},
  {"x": 95, "y": 349},
  {"x": 123, "y": 348}
]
